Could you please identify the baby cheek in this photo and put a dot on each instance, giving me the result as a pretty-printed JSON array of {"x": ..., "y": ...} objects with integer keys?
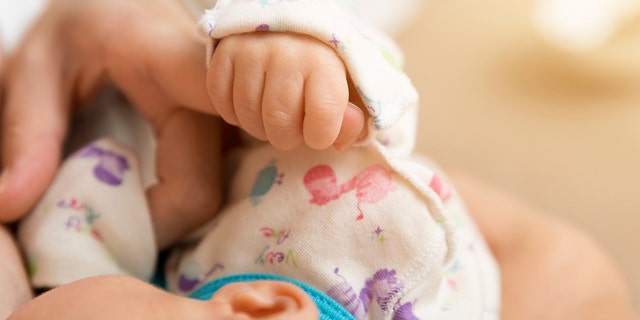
[{"x": 192, "y": 309}]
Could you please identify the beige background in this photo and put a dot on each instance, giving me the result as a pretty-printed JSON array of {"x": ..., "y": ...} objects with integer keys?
[{"x": 562, "y": 130}]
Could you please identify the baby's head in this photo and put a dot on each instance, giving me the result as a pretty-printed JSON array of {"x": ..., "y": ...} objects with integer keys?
[{"x": 118, "y": 297}]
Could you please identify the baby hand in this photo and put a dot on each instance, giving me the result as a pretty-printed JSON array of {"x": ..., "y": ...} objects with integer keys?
[{"x": 285, "y": 89}]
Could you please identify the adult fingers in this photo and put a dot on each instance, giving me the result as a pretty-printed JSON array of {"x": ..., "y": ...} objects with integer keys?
[
  {"x": 167, "y": 68},
  {"x": 188, "y": 168},
  {"x": 1, "y": 74},
  {"x": 326, "y": 97},
  {"x": 180, "y": 70},
  {"x": 33, "y": 127}
]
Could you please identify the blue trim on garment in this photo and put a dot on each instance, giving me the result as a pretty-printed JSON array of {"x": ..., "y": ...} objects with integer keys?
[
  {"x": 329, "y": 308},
  {"x": 158, "y": 278}
]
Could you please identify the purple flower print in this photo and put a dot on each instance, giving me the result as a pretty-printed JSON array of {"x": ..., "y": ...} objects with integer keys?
[
  {"x": 111, "y": 166},
  {"x": 263, "y": 27},
  {"x": 191, "y": 276},
  {"x": 405, "y": 312},
  {"x": 383, "y": 288},
  {"x": 344, "y": 294}
]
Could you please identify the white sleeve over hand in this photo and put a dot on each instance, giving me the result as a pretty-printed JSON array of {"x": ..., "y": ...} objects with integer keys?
[{"x": 373, "y": 61}]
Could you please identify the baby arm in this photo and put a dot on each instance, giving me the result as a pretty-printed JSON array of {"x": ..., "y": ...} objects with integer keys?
[
  {"x": 284, "y": 88},
  {"x": 285, "y": 71}
]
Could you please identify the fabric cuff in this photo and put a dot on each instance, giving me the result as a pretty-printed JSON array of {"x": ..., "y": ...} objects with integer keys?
[{"x": 373, "y": 61}]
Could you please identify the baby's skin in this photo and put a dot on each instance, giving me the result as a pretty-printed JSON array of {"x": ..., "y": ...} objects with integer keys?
[
  {"x": 118, "y": 297},
  {"x": 284, "y": 88},
  {"x": 287, "y": 89}
]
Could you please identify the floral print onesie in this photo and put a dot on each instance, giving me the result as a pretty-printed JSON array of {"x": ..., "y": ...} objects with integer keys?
[{"x": 376, "y": 229}]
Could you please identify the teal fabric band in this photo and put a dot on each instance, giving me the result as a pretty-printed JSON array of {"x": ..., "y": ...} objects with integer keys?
[{"x": 329, "y": 309}]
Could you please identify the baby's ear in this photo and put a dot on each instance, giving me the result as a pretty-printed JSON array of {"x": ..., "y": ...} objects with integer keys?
[{"x": 267, "y": 300}]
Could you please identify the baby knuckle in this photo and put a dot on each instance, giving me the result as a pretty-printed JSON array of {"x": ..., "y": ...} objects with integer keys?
[
  {"x": 325, "y": 109},
  {"x": 217, "y": 96},
  {"x": 278, "y": 119},
  {"x": 288, "y": 99},
  {"x": 246, "y": 111}
]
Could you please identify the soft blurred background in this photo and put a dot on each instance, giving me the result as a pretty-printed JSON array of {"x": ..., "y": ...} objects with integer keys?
[
  {"x": 540, "y": 97},
  {"x": 545, "y": 106}
]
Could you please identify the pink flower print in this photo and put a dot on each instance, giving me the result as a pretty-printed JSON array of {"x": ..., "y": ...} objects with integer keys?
[
  {"x": 321, "y": 182},
  {"x": 371, "y": 185},
  {"x": 440, "y": 188}
]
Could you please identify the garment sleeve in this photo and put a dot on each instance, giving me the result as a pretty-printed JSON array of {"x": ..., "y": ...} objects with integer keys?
[
  {"x": 93, "y": 220},
  {"x": 372, "y": 59}
]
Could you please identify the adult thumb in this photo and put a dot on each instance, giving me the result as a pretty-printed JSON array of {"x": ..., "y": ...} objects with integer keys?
[{"x": 33, "y": 127}]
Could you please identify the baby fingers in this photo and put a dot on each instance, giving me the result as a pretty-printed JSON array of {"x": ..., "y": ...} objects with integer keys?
[
  {"x": 283, "y": 107},
  {"x": 284, "y": 88},
  {"x": 326, "y": 97}
]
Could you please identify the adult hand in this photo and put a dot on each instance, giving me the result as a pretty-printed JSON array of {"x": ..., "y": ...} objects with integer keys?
[
  {"x": 151, "y": 50},
  {"x": 1, "y": 75},
  {"x": 14, "y": 286},
  {"x": 550, "y": 270}
]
